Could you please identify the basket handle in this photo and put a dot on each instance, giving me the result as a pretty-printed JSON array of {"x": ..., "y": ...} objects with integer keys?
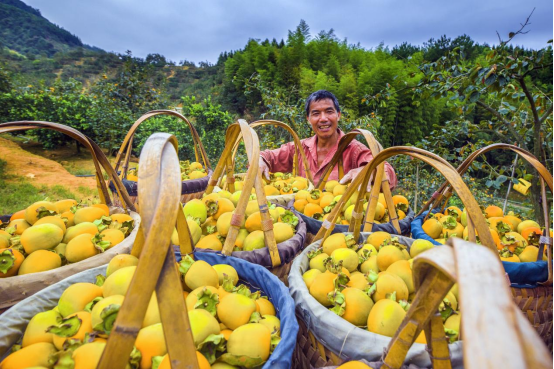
[
  {"x": 507, "y": 337},
  {"x": 475, "y": 217},
  {"x": 159, "y": 192},
  {"x": 345, "y": 140},
  {"x": 98, "y": 158},
  {"x": 124, "y": 153},
  {"x": 253, "y": 179},
  {"x": 297, "y": 144},
  {"x": 445, "y": 192},
  {"x": 375, "y": 148}
]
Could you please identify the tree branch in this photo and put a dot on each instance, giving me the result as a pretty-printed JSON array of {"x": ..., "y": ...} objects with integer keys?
[
  {"x": 508, "y": 125},
  {"x": 545, "y": 115},
  {"x": 511, "y": 35},
  {"x": 537, "y": 68},
  {"x": 530, "y": 98},
  {"x": 537, "y": 128}
]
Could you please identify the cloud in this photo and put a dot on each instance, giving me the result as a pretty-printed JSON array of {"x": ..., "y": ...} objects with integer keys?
[{"x": 200, "y": 31}]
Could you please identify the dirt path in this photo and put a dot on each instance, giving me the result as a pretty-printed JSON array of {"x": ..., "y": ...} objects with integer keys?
[{"x": 39, "y": 170}]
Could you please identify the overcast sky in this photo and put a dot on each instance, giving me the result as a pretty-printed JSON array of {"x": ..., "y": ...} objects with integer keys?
[{"x": 200, "y": 30}]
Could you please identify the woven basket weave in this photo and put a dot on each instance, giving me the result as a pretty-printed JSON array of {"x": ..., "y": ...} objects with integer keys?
[{"x": 536, "y": 304}]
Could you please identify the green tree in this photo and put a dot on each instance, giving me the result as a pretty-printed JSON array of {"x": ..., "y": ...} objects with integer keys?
[
  {"x": 118, "y": 102},
  {"x": 347, "y": 92},
  {"x": 211, "y": 122},
  {"x": 502, "y": 84}
]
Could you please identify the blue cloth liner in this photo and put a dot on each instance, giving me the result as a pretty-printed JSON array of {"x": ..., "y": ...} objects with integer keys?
[
  {"x": 522, "y": 275},
  {"x": 261, "y": 279},
  {"x": 314, "y": 225}
]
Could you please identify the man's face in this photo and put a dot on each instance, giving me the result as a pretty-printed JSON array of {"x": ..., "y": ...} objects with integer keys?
[{"x": 323, "y": 117}]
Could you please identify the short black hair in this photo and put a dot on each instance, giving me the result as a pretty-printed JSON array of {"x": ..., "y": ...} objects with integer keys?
[{"x": 321, "y": 95}]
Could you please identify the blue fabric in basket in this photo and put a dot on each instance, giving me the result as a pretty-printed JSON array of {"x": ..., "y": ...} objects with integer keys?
[
  {"x": 522, "y": 275},
  {"x": 260, "y": 278}
]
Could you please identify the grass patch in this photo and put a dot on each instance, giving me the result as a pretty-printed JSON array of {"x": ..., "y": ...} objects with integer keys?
[
  {"x": 16, "y": 193},
  {"x": 85, "y": 191},
  {"x": 79, "y": 171}
]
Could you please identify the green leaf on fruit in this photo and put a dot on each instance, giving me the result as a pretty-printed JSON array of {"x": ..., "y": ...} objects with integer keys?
[
  {"x": 241, "y": 361},
  {"x": 212, "y": 347},
  {"x": 68, "y": 327}
]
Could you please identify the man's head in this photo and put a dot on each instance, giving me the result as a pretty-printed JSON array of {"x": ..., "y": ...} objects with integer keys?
[
  {"x": 320, "y": 95},
  {"x": 323, "y": 113}
]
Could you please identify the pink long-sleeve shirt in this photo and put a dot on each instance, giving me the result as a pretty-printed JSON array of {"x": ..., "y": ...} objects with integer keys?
[{"x": 356, "y": 155}]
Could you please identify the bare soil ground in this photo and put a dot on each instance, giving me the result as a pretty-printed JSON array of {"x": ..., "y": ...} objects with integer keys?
[{"x": 45, "y": 169}]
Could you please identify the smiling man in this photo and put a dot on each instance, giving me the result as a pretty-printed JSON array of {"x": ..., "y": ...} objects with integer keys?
[{"x": 323, "y": 113}]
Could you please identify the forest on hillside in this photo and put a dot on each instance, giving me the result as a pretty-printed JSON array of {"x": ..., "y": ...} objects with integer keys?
[
  {"x": 25, "y": 31},
  {"x": 447, "y": 95}
]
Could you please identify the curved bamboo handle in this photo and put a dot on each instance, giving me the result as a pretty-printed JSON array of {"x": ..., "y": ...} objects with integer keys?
[
  {"x": 253, "y": 179},
  {"x": 159, "y": 191},
  {"x": 475, "y": 217},
  {"x": 380, "y": 177},
  {"x": 297, "y": 144},
  {"x": 507, "y": 337},
  {"x": 443, "y": 190},
  {"x": 127, "y": 145},
  {"x": 98, "y": 157}
]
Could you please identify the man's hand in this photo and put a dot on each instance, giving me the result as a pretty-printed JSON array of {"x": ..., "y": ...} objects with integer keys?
[
  {"x": 351, "y": 176},
  {"x": 263, "y": 168}
]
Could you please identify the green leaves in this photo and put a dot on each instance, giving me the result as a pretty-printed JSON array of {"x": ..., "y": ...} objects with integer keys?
[{"x": 474, "y": 96}]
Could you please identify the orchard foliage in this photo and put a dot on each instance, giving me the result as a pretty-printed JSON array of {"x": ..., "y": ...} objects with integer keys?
[{"x": 449, "y": 96}]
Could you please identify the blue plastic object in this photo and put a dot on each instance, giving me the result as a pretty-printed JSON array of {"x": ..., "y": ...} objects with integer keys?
[
  {"x": 259, "y": 278},
  {"x": 522, "y": 275}
]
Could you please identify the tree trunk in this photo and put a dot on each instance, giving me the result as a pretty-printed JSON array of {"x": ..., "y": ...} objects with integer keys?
[
  {"x": 536, "y": 183},
  {"x": 536, "y": 198}
]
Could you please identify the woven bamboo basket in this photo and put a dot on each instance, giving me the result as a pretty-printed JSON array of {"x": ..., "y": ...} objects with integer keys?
[
  {"x": 336, "y": 353},
  {"x": 535, "y": 300},
  {"x": 495, "y": 333},
  {"x": 17, "y": 288},
  {"x": 275, "y": 257},
  {"x": 394, "y": 226},
  {"x": 156, "y": 271},
  {"x": 299, "y": 159},
  {"x": 190, "y": 189}
]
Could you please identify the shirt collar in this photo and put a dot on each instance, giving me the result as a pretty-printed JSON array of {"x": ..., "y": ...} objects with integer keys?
[{"x": 311, "y": 142}]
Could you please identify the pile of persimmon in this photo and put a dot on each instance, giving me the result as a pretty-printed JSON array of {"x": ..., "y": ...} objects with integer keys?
[
  {"x": 517, "y": 240},
  {"x": 319, "y": 204},
  {"x": 189, "y": 170},
  {"x": 277, "y": 184},
  {"x": 47, "y": 235},
  {"x": 231, "y": 326},
  {"x": 209, "y": 221},
  {"x": 370, "y": 285}
]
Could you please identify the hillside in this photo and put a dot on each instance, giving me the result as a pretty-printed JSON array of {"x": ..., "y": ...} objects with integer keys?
[{"x": 27, "y": 32}]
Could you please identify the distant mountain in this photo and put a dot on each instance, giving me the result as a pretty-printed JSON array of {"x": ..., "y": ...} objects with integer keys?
[{"x": 27, "y": 32}]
